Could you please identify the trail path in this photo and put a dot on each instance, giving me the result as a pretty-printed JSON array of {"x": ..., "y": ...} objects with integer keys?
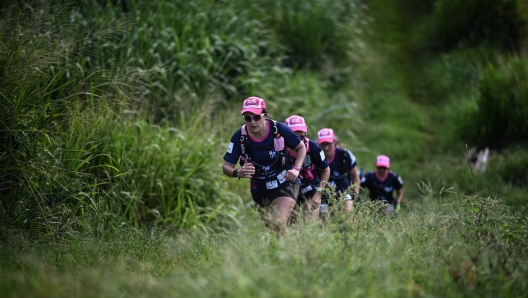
[{"x": 397, "y": 124}]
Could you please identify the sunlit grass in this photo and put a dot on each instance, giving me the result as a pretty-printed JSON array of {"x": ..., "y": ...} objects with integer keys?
[{"x": 456, "y": 246}]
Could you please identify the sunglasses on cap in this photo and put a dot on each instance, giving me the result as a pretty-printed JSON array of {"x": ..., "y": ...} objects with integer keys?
[{"x": 256, "y": 117}]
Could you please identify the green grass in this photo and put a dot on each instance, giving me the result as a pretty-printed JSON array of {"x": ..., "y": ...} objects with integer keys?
[
  {"x": 118, "y": 114},
  {"x": 457, "y": 246}
]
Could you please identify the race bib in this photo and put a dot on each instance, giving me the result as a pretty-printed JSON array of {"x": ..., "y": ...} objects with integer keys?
[
  {"x": 272, "y": 184},
  {"x": 281, "y": 178},
  {"x": 306, "y": 189}
]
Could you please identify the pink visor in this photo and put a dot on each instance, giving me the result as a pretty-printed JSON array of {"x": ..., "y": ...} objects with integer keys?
[
  {"x": 383, "y": 161},
  {"x": 296, "y": 123},
  {"x": 325, "y": 135},
  {"x": 254, "y": 105}
]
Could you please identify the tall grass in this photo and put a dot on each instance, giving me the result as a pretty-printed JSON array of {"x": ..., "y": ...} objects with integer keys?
[
  {"x": 37, "y": 89},
  {"x": 504, "y": 177},
  {"x": 494, "y": 24},
  {"x": 78, "y": 148},
  {"x": 465, "y": 246},
  {"x": 228, "y": 47},
  {"x": 501, "y": 117},
  {"x": 133, "y": 196},
  {"x": 76, "y": 153},
  {"x": 162, "y": 175},
  {"x": 490, "y": 111},
  {"x": 316, "y": 32},
  {"x": 205, "y": 47}
]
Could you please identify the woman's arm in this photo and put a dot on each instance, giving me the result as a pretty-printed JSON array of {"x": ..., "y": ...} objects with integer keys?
[
  {"x": 353, "y": 176},
  {"x": 246, "y": 171},
  {"x": 300, "y": 153}
]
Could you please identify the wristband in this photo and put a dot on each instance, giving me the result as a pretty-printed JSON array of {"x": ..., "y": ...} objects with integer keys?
[
  {"x": 297, "y": 168},
  {"x": 235, "y": 173}
]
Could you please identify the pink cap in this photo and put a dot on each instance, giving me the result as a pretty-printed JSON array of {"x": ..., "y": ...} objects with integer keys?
[
  {"x": 254, "y": 105},
  {"x": 296, "y": 123},
  {"x": 325, "y": 135},
  {"x": 383, "y": 161}
]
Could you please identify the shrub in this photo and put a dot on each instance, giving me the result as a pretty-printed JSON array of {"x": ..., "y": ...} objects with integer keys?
[
  {"x": 317, "y": 31},
  {"x": 461, "y": 24},
  {"x": 501, "y": 117},
  {"x": 160, "y": 175},
  {"x": 204, "y": 48},
  {"x": 37, "y": 87},
  {"x": 68, "y": 157},
  {"x": 511, "y": 166}
]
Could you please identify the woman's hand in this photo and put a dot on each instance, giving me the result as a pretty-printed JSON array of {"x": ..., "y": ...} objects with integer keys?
[
  {"x": 246, "y": 171},
  {"x": 291, "y": 174}
]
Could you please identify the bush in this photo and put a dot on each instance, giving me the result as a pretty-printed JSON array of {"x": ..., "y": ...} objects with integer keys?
[
  {"x": 458, "y": 24},
  {"x": 160, "y": 175},
  {"x": 511, "y": 166},
  {"x": 318, "y": 31},
  {"x": 501, "y": 117},
  {"x": 69, "y": 158},
  {"x": 40, "y": 84},
  {"x": 204, "y": 48}
]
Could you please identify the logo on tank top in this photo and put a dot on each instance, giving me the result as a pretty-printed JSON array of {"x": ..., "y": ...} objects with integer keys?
[{"x": 272, "y": 154}]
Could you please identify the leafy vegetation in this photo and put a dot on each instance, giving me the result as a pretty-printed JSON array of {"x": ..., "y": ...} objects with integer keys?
[
  {"x": 501, "y": 117},
  {"x": 495, "y": 24},
  {"x": 454, "y": 246}
]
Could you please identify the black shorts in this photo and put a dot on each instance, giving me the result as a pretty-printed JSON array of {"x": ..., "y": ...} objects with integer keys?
[{"x": 287, "y": 189}]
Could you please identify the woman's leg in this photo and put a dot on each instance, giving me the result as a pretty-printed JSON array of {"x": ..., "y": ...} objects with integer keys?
[
  {"x": 282, "y": 208},
  {"x": 294, "y": 218},
  {"x": 311, "y": 210}
]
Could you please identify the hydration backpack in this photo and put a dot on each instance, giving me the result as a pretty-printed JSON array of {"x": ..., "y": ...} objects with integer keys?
[
  {"x": 344, "y": 161},
  {"x": 279, "y": 147}
]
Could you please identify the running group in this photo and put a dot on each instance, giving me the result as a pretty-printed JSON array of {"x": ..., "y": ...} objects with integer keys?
[{"x": 291, "y": 174}]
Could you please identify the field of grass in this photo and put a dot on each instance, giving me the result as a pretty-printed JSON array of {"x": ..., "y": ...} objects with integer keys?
[
  {"x": 115, "y": 116},
  {"x": 448, "y": 247}
]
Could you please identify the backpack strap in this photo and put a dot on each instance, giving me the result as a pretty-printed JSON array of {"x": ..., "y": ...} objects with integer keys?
[
  {"x": 307, "y": 143},
  {"x": 245, "y": 147},
  {"x": 280, "y": 147},
  {"x": 345, "y": 160}
]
